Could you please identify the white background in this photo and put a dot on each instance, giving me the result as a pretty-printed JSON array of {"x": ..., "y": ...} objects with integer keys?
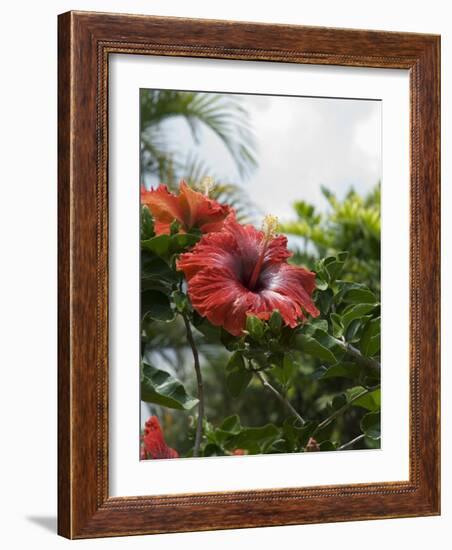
[
  {"x": 128, "y": 475},
  {"x": 28, "y": 274}
]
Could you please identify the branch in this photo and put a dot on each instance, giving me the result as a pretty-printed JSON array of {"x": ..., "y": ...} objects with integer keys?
[
  {"x": 197, "y": 366},
  {"x": 360, "y": 359},
  {"x": 350, "y": 443},
  {"x": 278, "y": 395},
  {"x": 342, "y": 409}
]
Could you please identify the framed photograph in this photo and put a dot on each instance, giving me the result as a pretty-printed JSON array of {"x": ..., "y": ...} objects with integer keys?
[{"x": 248, "y": 275}]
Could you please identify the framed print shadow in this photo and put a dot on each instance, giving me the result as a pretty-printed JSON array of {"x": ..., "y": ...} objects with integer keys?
[{"x": 248, "y": 275}]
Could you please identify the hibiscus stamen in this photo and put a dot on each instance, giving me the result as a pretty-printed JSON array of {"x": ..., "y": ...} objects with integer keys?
[
  {"x": 207, "y": 185},
  {"x": 269, "y": 226}
]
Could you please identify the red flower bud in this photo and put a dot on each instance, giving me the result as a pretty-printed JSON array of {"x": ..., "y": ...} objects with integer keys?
[
  {"x": 154, "y": 442},
  {"x": 239, "y": 452},
  {"x": 312, "y": 445}
]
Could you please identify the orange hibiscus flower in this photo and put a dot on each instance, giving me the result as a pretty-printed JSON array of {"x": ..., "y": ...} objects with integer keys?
[{"x": 190, "y": 208}]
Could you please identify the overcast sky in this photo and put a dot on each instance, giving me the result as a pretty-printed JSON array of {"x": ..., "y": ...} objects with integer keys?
[{"x": 302, "y": 143}]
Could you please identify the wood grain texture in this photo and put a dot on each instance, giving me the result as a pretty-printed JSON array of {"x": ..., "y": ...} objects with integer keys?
[{"x": 85, "y": 42}]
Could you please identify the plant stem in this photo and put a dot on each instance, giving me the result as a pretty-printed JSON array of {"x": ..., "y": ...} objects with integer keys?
[
  {"x": 278, "y": 395},
  {"x": 350, "y": 443},
  {"x": 339, "y": 411},
  {"x": 361, "y": 359},
  {"x": 197, "y": 366}
]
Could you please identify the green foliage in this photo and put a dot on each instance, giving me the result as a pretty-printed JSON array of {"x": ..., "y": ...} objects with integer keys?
[
  {"x": 325, "y": 369},
  {"x": 315, "y": 351},
  {"x": 231, "y": 435},
  {"x": 161, "y": 388},
  {"x": 370, "y": 425},
  {"x": 255, "y": 328},
  {"x": 156, "y": 305},
  {"x": 237, "y": 377},
  {"x": 351, "y": 225}
]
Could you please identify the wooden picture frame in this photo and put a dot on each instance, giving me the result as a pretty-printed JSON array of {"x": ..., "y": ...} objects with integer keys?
[{"x": 85, "y": 42}]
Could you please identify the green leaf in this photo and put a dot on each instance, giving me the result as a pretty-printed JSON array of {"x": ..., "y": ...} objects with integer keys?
[
  {"x": 228, "y": 429},
  {"x": 370, "y": 339},
  {"x": 310, "y": 345},
  {"x": 212, "y": 333},
  {"x": 327, "y": 446},
  {"x": 237, "y": 381},
  {"x": 180, "y": 301},
  {"x": 159, "y": 387},
  {"x": 237, "y": 377},
  {"x": 359, "y": 296},
  {"x": 297, "y": 436},
  {"x": 159, "y": 244},
  {"x": 338, "y": 401},
  {"x": 231, "y": 424},
  {"x": 315, "y": 324},
  {"x": 353, "y": 312},
  {"x": 275, "y": 322},
  {"x": 285, "y": 372},
  {"x": 338, "y": 327},
  {"x": 278, "y": 446},
  {"x": 342, "y": 256},
  {"x": 353, "y": 329},
  {"x": 255, "y": 327},
  {"x": 147, "y": 223},
  {"x": 174, "y": 227},
  {"x": 212, "y": 449},
  {"x": 255, "y": 439},
  {"x": 341, "y": 370},
  {"x": 333, "y": 266},
  {"x": 370, "y": 401},
  {"x": 372, "y": 443},
  {"x": 320, "y": 283},
  {"x": 156, "y": 305},
  {"x": 370, "y": 425},
  {"x": 156, "y": 273},
  {"x": 323, "y": 300},
  {"x": 182, "y": 241},
  {"x": 236, "y": 361},
  {"x": 230, "y": 342}
]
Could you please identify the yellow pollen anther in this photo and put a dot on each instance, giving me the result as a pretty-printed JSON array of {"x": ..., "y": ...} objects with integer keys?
[
  {"x": 207, "y": 184},
  {"x": 270, "y": 225}
]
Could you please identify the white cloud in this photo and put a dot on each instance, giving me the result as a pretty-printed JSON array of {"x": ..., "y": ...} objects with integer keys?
[
  {"x": 306, "y": 143},
  {"x": 303, "y": 143}
]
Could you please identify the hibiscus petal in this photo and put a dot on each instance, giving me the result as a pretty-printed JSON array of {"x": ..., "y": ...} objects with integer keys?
[
  {"x": 250, "y": 242},
  {"x": 164, "y": 207},
  {"x": 291, "y": 287},
  {"x": 213, "y": 250},
  {"x": 223, "y": 300},
  {"x": 202, "y": 212},
  {"x": 276, "y": 251}
]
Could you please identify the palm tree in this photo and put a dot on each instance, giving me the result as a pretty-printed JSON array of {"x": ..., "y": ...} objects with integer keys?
[{"x": 222, "y": 114}]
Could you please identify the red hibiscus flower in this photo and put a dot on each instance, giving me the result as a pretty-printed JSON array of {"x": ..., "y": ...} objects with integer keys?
[
  {"x": 153, "y": 441},
  {"x": 190, "y": 208},
  {"x": 239, "y": 452},
  {"x": 241, "y": 271}
]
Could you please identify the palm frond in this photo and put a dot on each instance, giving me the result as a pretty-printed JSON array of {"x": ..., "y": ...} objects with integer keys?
[
  {"x": 222, "y": 114},
  {"x": 196, "y": 169}
]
